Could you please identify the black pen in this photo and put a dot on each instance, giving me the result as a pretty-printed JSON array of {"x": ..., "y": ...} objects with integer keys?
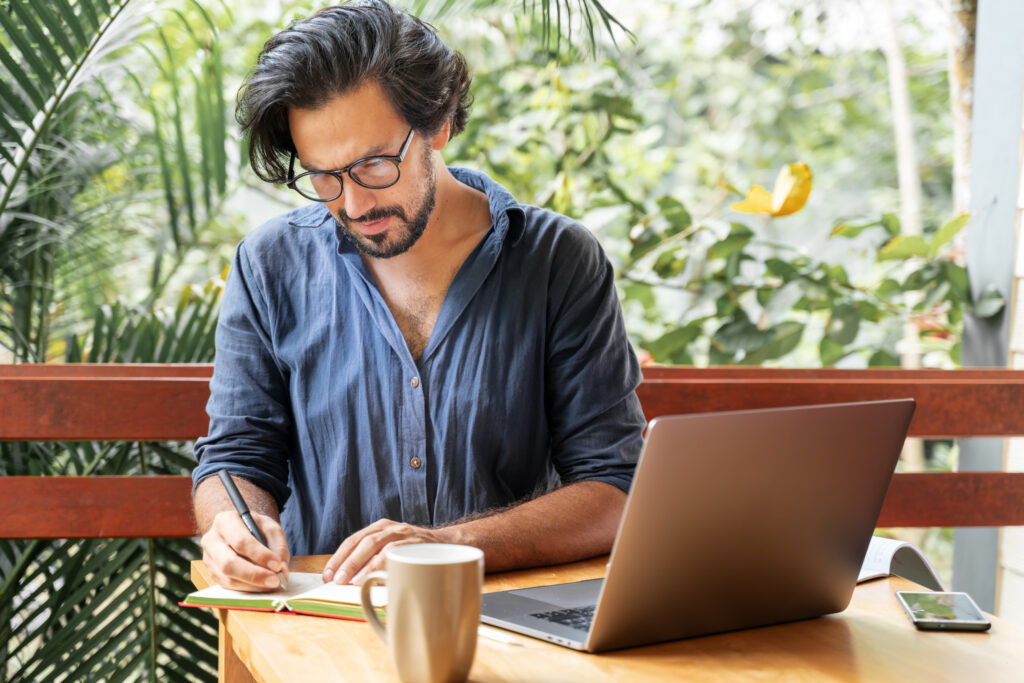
[{"x": 243, "y": 512}]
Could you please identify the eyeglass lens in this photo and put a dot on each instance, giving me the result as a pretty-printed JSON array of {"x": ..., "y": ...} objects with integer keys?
[{"x": 371, "y": 173}]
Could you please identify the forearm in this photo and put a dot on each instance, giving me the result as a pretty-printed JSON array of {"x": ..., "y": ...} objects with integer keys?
[
  {"x": 568, "y": 524},
  {"x": 211, "y": 498}
]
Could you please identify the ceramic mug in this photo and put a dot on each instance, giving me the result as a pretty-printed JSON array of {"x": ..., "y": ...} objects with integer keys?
[{"x": 433, "y": 609}]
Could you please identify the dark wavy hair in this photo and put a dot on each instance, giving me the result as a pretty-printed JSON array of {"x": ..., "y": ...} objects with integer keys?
[{"x": 334, "y": 52}]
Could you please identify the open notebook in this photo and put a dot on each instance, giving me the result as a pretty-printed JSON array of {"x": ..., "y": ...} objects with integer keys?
[{"x": 307, "y": 594}]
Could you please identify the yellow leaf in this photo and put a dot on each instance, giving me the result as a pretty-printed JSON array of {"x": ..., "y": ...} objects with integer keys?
[
  {"x": 792, "y": 188},
  {"x": 759, "y": 200}
]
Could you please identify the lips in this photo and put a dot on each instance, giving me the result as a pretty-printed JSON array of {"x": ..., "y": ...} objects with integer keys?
[{"x": 374, "y": 227}]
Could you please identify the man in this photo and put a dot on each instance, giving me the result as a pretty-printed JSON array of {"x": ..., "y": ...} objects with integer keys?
[{"x": 414, "y": 356}]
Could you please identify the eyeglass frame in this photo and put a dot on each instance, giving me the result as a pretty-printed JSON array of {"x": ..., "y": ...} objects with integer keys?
[{"x": 396, "y": 159}]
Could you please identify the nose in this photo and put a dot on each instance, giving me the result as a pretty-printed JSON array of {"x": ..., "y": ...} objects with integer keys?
[{"x": 356, "y": 199}]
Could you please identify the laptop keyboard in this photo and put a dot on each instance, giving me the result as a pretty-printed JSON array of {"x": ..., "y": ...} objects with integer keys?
[{"x": 576, "y": 617}]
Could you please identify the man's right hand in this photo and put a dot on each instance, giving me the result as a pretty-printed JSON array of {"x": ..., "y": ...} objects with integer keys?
[{"x": 240, "y": 562}]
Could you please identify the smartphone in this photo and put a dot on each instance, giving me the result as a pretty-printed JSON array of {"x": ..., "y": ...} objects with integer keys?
[{"x": 937, "y": 611}]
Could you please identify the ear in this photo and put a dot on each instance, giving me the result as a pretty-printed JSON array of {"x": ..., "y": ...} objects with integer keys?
[{"x": 442, "y": 137}]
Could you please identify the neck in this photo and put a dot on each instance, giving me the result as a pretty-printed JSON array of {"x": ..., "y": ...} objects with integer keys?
[{"x": 460, "y": 213}]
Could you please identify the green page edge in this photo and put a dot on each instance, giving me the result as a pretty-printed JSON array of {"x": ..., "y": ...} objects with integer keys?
[{"x": 333, "y": 608}]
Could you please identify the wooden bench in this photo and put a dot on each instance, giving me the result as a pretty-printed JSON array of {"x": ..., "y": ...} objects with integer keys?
[{"x": 167, "y": 402}]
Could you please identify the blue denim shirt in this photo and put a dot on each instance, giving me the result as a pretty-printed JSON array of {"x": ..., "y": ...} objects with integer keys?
[{"x": 527, "y": 381}]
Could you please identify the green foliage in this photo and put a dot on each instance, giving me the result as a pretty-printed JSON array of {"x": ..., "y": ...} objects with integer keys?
[
  {"x": 107, "y": 609},
  {"x": 641, "y": 150},
  {"x": 751, "y": 300},
  {"x": 80, "y": 202},
  {"x": 48, "y": 90}
]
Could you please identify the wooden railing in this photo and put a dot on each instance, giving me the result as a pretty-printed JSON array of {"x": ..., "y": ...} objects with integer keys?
[{"x": 167, "y": 402}]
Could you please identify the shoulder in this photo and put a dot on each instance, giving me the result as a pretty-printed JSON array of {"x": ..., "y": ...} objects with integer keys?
[
  {"x": 565, "y": 242},
  {"x": 550, "y": 227}
]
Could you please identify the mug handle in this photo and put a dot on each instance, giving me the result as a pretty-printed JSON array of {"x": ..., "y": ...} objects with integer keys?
[{"x": 373, "y": 579}]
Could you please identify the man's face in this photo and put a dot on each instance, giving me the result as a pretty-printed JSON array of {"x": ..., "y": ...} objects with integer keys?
[{"x": 381, "y": 223}]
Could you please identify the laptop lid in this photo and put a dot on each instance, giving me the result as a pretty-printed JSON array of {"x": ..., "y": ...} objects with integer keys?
[
  {"x": 747, "y": 518},
  {"x": 734, "y": 520}
]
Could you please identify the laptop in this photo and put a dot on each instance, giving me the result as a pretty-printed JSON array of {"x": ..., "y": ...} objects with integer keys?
[{"x": 734, "y": 520}]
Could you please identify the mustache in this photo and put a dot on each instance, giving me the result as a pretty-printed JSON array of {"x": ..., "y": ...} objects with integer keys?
[{"x": 374, "y": 214}]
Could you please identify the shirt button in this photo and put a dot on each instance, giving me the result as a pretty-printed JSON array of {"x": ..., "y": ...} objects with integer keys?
[
  {"x": 415, "y": 382},
  {"x": 415, "y": 463}
]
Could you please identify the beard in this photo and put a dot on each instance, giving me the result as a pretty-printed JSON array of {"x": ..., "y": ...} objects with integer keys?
[{"x": 399, "y": 238}]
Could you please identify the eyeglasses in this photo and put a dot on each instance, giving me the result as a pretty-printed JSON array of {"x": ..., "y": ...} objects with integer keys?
[{"x": 375, "y": 173}]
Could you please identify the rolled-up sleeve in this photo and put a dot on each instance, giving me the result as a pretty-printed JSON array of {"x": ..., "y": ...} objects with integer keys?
[
  {"x": 591, "y": 370},
  {"x": 250, "y": 418}
]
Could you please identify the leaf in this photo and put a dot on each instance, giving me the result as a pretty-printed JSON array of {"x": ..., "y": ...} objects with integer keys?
[
  {"x": 670, "y": 346},
  {"x": 639, "y": 292},
  {"x": 888, "y": 287},
  {"x": 842, "y": 228},
  {"x": 843, "y": 324},
  {"x": 883, "y": 359},
  {"x": 947, "y": 232},
  {"x": 784, "y": 269},
  {"x": 903, "y": 247},
  {"x": 758, "y": 200},
  {"x": 936, "y": 295},
  {"x": 740, "y": 334},
  {"x": 670, "y": 263},
  {"x": 956, "y": 275},
  {"x": 739, "y": 236},
  {"x": 784, "y": 337},
  {"x": 891, "y": 223},
  {"x": 990, "y": 303},
  {"x": 675, "y": 213},
  {"x": 830, "y": 351},
  {"x": 792, "y": 188},
  {"x": 868, "y": 311}
]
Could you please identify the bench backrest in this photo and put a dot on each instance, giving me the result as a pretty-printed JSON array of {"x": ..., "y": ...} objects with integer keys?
[{"x": 167, "y": 402}]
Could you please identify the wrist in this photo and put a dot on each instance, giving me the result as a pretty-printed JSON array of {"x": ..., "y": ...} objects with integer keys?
[{"x": 455, "y": 533}]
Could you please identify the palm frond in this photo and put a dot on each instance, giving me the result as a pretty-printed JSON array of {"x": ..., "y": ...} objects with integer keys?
[
  {"x": 43, "y": 66},
  {"x": 552, "y": 21},
  {"x": 106, "y": 609}
]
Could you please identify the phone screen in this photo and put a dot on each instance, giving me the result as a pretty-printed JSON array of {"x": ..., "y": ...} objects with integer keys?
[{"x": 952, "y": 609}]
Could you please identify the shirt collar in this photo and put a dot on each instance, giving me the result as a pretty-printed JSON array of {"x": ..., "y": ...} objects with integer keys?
[
  {"x": 507, "y": 214},
  {"x": 312, "y": 216}
]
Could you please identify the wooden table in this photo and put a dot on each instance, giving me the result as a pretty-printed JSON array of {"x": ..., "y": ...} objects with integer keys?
[{"x": 871, "y": 641}]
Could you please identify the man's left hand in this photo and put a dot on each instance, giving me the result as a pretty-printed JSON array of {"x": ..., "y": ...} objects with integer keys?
[{"x": 363, "y": 551}]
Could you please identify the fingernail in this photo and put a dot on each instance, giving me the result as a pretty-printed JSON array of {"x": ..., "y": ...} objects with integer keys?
[
  {"x": 274, "y": 566},
  {"x": 272, "y": 581},
  {"x": 328, "y": 575},
  {"x": 358, "y": 579},
  {"x": 341, "y": 577}
]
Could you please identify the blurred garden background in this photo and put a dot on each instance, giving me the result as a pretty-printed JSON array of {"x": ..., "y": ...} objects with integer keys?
[{"x": 125, "y": 190}]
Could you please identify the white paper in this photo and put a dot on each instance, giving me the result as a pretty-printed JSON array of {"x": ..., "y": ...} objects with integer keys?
[
  {"x": 305, "y": 585},
  {"x": 887, "y": 556}
]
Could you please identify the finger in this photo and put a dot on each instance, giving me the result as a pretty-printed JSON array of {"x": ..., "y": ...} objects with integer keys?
[
  {"x": 241, "y": 540},
  {"x": 255, "y": 577},
  {"x": 232, "y": 571},
  {"x": 346, "y": 548},
  {"x": 376, "y": 563},
  {"x": 274, "y": 534},
  {"x": 364, "y": 552}
]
